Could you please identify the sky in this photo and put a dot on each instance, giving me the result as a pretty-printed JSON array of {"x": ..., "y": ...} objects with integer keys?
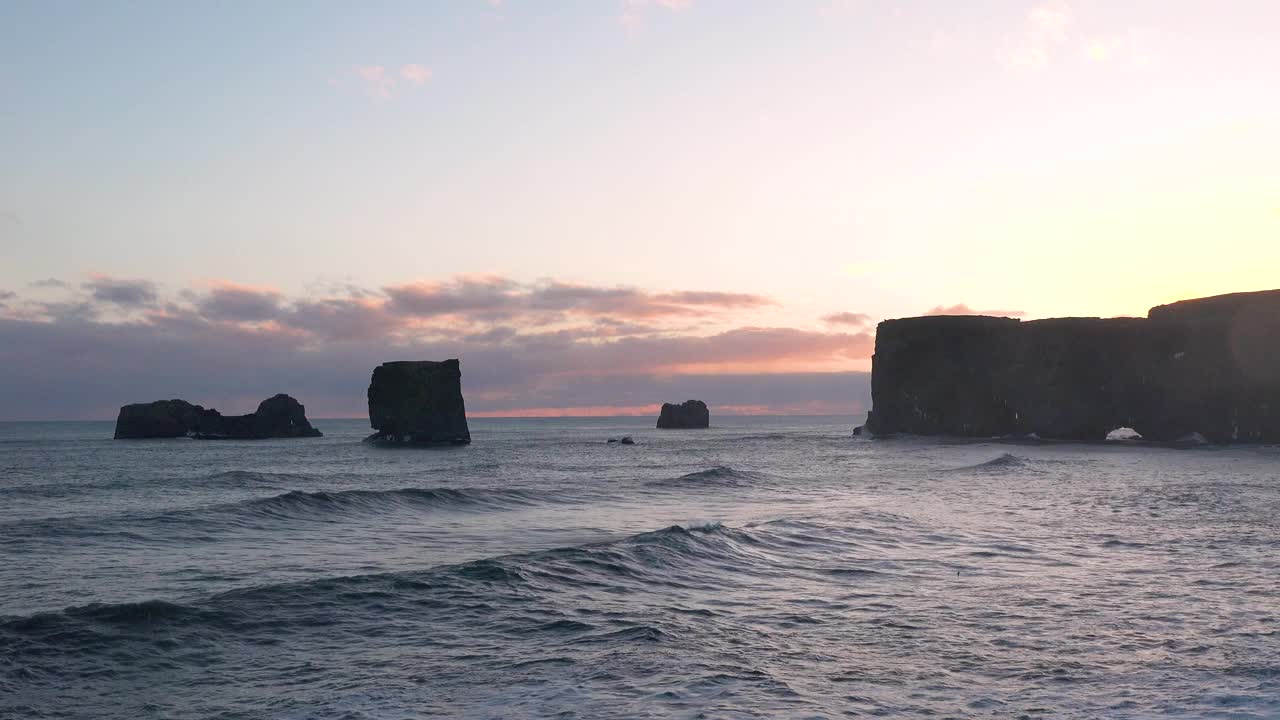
[{"x": 602, "y": 205}]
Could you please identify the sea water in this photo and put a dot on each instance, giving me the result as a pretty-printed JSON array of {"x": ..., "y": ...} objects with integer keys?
[{"x": 765, "y": 568}]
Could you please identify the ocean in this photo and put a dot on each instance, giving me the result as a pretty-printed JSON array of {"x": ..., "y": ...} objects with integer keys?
[{"x": 764, "y": 568}]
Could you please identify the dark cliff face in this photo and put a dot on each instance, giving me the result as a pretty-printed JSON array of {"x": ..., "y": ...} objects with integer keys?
[
  {"x": 1210, "y": 366},
  {"x": 276, "y": 417},
  {"x": 690, "y": 414},
  {"x": 418, "y": 402}
]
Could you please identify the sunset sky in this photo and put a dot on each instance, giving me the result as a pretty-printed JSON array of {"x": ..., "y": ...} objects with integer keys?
[{"x": 605, "y": 204}]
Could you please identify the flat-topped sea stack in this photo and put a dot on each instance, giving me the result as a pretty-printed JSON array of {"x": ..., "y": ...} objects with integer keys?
[
  {"x": 688, "y": 414},
  {"x": 418, "y": 402},
  {"x": 279, "y": 416},
  {"x": 1209, "y": 366}
]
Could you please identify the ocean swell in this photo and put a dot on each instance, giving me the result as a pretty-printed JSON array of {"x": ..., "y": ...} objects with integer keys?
[
  {"x": 716, "y": 477},
  {"x": 273, "y": 513}
]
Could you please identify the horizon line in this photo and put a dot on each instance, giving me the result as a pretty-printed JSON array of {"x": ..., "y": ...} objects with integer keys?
[{"x": 506, "y": 417}]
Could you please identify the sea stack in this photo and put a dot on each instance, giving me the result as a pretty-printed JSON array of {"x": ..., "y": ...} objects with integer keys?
[
  {"x": 1206, "y": 366},
  {"x": 279, "y": 416},
  {"x": 418, "y": 402},
  {"x": 688, "y": 414}
]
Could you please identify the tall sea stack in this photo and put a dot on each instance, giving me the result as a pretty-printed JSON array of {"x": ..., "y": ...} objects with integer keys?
[
  {"x": 1209, "y": 366},
  {"x": 689, "y": 414},
  {"x": 418, "y": 402}
]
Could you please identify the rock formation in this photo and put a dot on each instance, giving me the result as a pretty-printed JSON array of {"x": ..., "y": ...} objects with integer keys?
[
  {"x": 1210, "y": 366},
  {"x": 276, "y": 417},
  {"x": 418, "y": 402},
  {"x": 688, "y": 414}
]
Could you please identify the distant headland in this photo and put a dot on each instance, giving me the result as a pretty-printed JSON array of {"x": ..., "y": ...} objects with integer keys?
[{"x": 1209, "y": 366}]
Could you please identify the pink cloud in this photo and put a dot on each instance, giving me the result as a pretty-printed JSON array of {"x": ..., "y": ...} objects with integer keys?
[
  {"x": 414, "y": 73},
  {"x": 551, "y": 301},
  {"x": 560, "y": 347},
  {"x": 120, "y": 292},
  {"x": 962, "y": 309},
  {"x": 1043, "y": 33},
  {"x": 857, "y": 320},
  {"x": 378, "y": 82},
  {"x": 240, "y": 303},
  {"x": 382, "y": 83},
  {"x": 633, "y": 10},
  {"x": 476, "y": 294}
]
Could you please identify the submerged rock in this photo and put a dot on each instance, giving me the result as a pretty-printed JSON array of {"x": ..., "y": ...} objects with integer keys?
[
  {"x": 279, "y": 416},
  {"x": 688, "y": 414},
  {"x": 627, "y": 440},
  {"x": 1206, "y": 366},
  {"x": 418, "y": 402}
]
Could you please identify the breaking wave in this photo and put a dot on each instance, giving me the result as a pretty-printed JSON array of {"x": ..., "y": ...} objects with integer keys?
[
  {"x": 1001, "y": 463},
  {"x": 716, "y": 477}
]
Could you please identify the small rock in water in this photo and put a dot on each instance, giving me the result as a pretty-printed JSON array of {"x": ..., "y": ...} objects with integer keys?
[{"x": 627, "y": 441}]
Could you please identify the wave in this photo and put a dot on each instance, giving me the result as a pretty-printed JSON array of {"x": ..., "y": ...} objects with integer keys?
[
  {"x": 229, "y": 479},
  {"x": 299, "y": 504},
  {"x": 666, "y": 556},
  {"x": 269, "y": 513},
  {"x": 678, "y": 557},
  {"x": 718, "y": 477},
  {"x": 1002, "y": 463},
  {"x": 564, "y": 605},
  {"x": 120, "y": 615}
]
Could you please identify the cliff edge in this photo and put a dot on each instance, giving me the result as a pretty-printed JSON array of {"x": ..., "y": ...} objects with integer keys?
[{"x": 1208, "y": 366}]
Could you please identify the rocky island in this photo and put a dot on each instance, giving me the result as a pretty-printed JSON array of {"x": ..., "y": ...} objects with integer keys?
[
  {"x": 279, "y": 416},
  {"x": 1209, "y": 366},
  {"x": 418, "y": 402},
  {"x": 686, "y": 415}
]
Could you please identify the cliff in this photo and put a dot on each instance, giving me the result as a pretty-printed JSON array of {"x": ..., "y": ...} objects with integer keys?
[
  {"x": 276, "y": 417},
  {"x": 689, "y": 414},
  {"x": 1210, "y": 366},
  {"x": 418, "y": 402}
]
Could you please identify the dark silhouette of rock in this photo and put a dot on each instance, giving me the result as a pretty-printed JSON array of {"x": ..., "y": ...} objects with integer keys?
[
  {"x": 1207, "y": 366},
  {"x": 688, "y": 414},
  {"x": 627, "y": 440},
  {"x": 418, "y": 402},
  {"x": 159, "y": 419},
  {"x": 858, "y": 431},
  {"x": 276, "y": 417}
]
